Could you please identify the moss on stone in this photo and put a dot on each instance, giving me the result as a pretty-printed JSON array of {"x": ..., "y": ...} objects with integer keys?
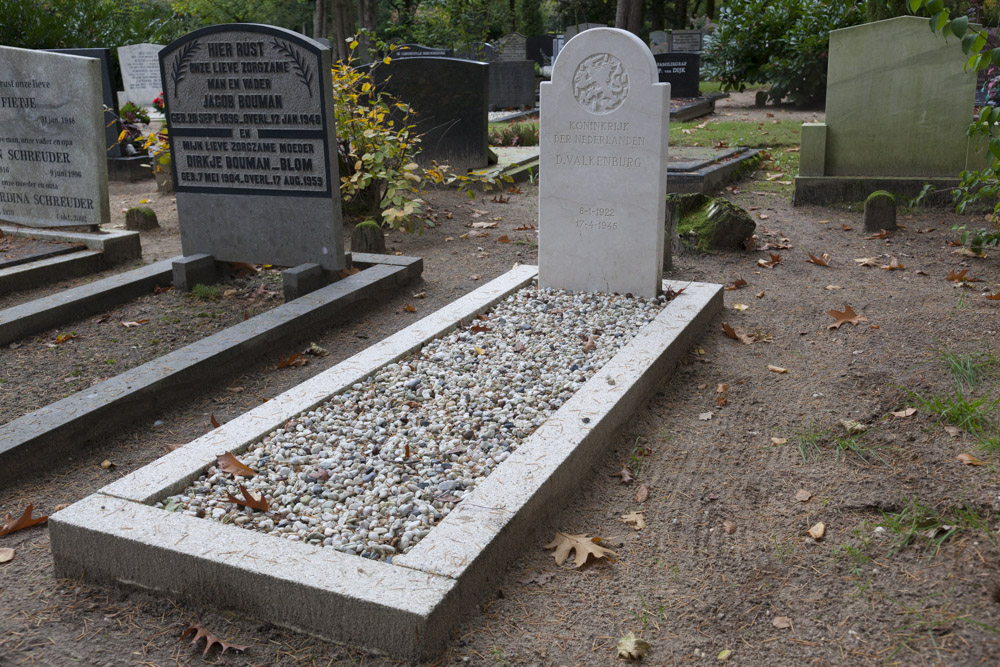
[{"x": 881, "y": 193}]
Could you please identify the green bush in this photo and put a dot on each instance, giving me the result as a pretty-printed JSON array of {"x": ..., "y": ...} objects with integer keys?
[{"x": 779, "y": 43}]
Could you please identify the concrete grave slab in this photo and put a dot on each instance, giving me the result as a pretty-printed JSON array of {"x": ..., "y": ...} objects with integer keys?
[
  {"x": 406, "y": 608},
  {"x": 53, "y": 171},
  {"x": 253, "y": 152},
  {"x": 603, "y": 150}
]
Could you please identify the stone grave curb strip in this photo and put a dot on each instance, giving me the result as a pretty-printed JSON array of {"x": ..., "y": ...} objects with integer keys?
[
  {"x": 72, "y": 304},
  {"x": 30, "y": 442},
  {"x": 116, "y": 245},
  {"x": 407, "y": 608}
]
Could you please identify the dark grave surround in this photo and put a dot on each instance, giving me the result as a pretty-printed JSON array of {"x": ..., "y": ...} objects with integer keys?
[
  {"x": 483, "y": 52},
  {"x": 512, "y": 84},
  {"x": 403, "y": 51},
  {"x": 539, "y": 49},
  {"x": 253, "y": 146},
  {"x": 681, "y": 70},
  {"x": 451, "y": 101}
]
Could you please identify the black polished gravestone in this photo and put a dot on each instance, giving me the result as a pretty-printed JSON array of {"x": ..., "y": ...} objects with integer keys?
[
  {"x": 253, "y": 145},
  {"x": 403, "y": 51},
  {"x": 512, "y": 84},
  {"x": 483, "y": 52},
  {"x": 539, "y": 49},
  {"x": 450, "y": 98},
  {"x": 681, "y": 71}
]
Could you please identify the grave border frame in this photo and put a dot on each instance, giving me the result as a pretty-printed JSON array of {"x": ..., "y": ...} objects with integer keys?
[{"x": 405, "y": 608}]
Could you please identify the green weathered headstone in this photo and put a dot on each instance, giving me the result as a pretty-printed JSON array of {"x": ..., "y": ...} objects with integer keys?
[{"x": 880, "y": 211}]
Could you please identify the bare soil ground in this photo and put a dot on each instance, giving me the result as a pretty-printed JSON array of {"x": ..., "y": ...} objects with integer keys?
[{"x": 725, "y": 561}]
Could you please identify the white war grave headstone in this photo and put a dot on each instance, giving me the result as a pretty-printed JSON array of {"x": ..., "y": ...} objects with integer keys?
[
  {"x": 603, "y": 150},
  {"x": 140, "y": 73},
  {"x": 53, "y": 165},
  {"x": 253, "y": 146}
]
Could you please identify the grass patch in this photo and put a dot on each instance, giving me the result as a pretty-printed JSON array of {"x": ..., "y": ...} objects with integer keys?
[
  {"x": 770, "y": 134},
  {"x": 807, "y": 441},
  {"x": 205, "y": 292},
  {"x": 973, "y": 415},
  {"x": 860, "y": 447},
  {"x": 917, "y": 522},
  {"x": 968, "y": 369}
]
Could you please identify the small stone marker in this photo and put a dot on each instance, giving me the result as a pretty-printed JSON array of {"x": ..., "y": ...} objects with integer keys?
[
  {"x": 603, "y": 150},
  {"x": 513, "y": 47},
  {"x": 141, "y": 219},
  {"x": 53, "y": 166},
  {"x": 880, "y": 211},
  {"x": 253, "y": 146},
  {"x": 140, "y": 73},
  {"x": 685, "y": 41}
]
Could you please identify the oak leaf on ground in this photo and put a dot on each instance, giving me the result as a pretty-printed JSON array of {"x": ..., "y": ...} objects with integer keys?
[
  {"x": 636, "y": 519},
  {"x": 881, "y": 235},
  {"x": 6, "y": 554},
  {"x": 781, "y": 622},
  {"x": 736, "y": 284},
  {"x": 969, "y": 459},
  {"x": 200, "y": 632},
  {"x": 248, "y": 500},
  {"x": 641, "y": 494},
  {"x": 803, "y": 496},
  {"x": 583, "y": 545},
  {"x": 847, "y": 316},
  {"x": 867, "y": 261},
  {"x": 232, "y": 465},
  {"x": 893, "y": 265},
  {"x": 770, "y": 264},
  {"x": 625, "y": 474},
  {"x": 822, "y": 260},
  {"x": 294, "y": 359},
  {"x": 11, "y": 525},
  {"x": 737, "y": 334}
]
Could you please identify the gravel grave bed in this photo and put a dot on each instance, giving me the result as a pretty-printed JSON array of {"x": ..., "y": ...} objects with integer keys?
[{"x": 373, "y": 469}]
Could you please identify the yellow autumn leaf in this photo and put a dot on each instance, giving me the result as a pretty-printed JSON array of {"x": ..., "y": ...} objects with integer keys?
[
  {"x": 776, "y": 369},
  {"x": 740, "y": 306},
  {"x": 354, "y": 44}
]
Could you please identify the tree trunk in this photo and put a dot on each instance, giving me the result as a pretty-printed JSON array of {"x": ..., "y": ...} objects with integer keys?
[
  {"x": 368, "y": 237},
  {"x": 319, "y": 19},
  {"x": 657, "y": 14},
  {"x": 343, "y": 27},
  {"x": 681, "y": 15},
  {"x": 628, "y": 15},
  {"x": 366, "y": 21}
]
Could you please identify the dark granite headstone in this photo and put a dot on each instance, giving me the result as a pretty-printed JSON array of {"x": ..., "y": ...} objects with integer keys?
[
  {"x": 112, "y": 128},
  {"x": 539, "y": 49},
  {"x": 512, "y": 84},
  {"x": 418, "y": 51},
  {"x": 451, "y": 99},
  {"x": 253, "y": 145},
  {"x": 483, "y": 52},
  {"x": 681, "y": 70},
  {"x": 685, "y": 41}
]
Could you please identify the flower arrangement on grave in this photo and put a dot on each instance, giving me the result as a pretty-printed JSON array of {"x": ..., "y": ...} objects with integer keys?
[
  {"x": 159, "y": 104},
  {"x": 992, "y": 87},
  {"x": 157, "y": 146},
  {"x": 132, "y": 118}
]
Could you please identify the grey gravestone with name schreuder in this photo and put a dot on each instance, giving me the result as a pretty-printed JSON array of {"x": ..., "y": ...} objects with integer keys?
[
  {"x": 686, "y": 41},
  {"x": 604, "y": 122},
  {"x": 53, "y": 166},
  {"x": 140, "y": 73},
  {"x": 681, "y": 71},
  {"x": 451, "y": 101},
  {"x": 419, "y": 51},
  {"x": 112, "y": 128},
  {"x": 253, "y": 146},
  {"x": 512, "y": 47}
]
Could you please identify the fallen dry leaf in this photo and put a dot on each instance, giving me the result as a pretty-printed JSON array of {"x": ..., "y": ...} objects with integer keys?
[
  {"x": 705, "y": 416},
  {"x": 770, "y": 264},
  {"x": 845, "y": 227},
  {"x": 625, "y": 474},
  {"x": 6, "y": 555},
  {"x": 136, "y": 323},
  {"x": 721, "y": 388},
  {"x": 818, "y": 531},
  {"x": 589, "y": 345},
  {"x": 970, "y": 460},
  {"x": 953, "y": 431},
  {"x": 107, "y": 465},
  {"x": 763, "y": 216},
  {"x": 958, "y": 276},
  {"x": 631, "y": 647},
  {"x": 853, "y": 427},
  {"x": 248, "y": 500},
  {"x": 833, "y": 287},
  {"x": 893, "y": 265},
  {"x": 760, "y": 294},
  {"x": 503, "y": 239},
  {"x": 781, "y": 622},
  {"x": 822, "y": 260},
  {"x": 737, "y": 334},
  {"x": 904, "y": 413},
  {"x": 993, "y": 297},
  {"x": 62, "y": 338},
  {"x": 294, "y": 359},
  {"x": 867, "y": 261},
  {"x": 881, "y": 235},
  {"x": 583, "y": 545},
  {"x": 199, "y": 632},
  {"x": 740, "y": 306},
  {"x": 11, "y": 525},
  {"x": 729, "y": 527},
  {"x": 634, "y": 518},
  {"x": 228, "y": 463},
  {"x": 847, "y": 316},
  {"x": 409, "y": 309},
  {"x": 803, "y": 496},
  {"x": 214, "y": 421},
  {"x": 641, "y": 494},
  {"x": 779, "y": 441},
  {"x": 776, "y": 369},
  {"x": 736, "y": 284},
  {"x": 721, "y": 400}
]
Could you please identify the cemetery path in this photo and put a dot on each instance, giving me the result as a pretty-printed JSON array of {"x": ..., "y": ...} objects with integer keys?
[{"x": 739, "y": 462}]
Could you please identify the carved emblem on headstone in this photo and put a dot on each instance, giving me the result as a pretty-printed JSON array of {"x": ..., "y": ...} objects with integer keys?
[{"x": 600, "y": 83}]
